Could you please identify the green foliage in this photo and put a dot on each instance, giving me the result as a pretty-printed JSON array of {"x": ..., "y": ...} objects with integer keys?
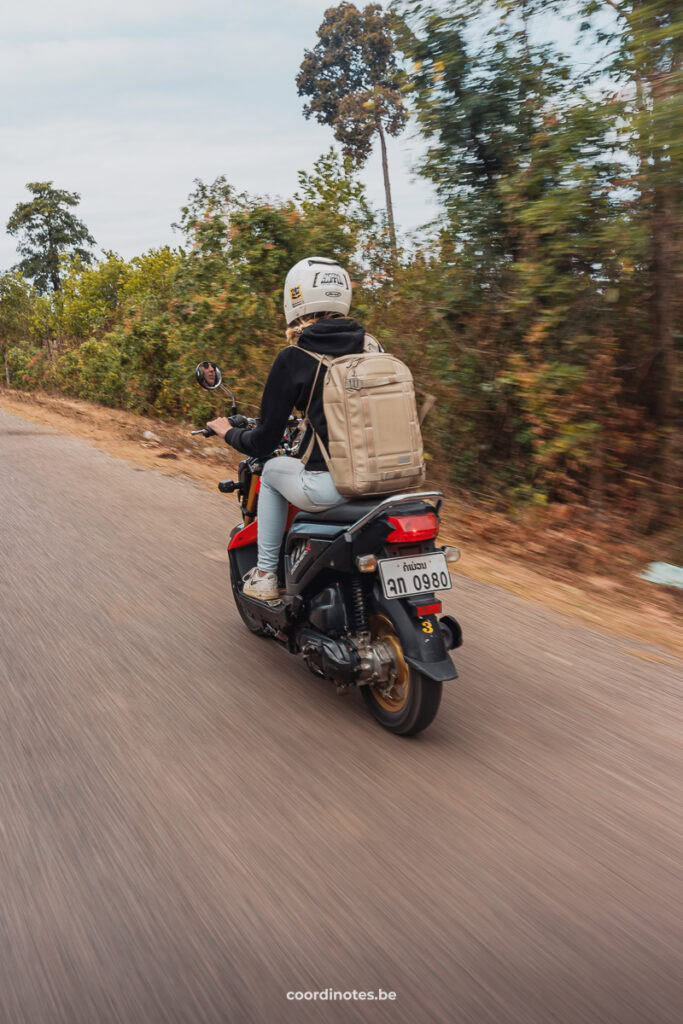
[
  {"x": 645, "y": 43},
  {"x": 47, "y": 229},
  {"x": 30, "y": 368},
  {"x": 15, "y": 313},
  {"x": 93, "y": 371},
  {"x": 333, "y": 206},
  {"x": 547, "y": 253},
  {"x": 91, "y": 296},
  {"x": 15, "y": 306}
]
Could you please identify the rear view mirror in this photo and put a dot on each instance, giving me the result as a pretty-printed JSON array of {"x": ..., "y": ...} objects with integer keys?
[
  {"x": 210, "y": 378},
  {"x": 208, "y": 375}
]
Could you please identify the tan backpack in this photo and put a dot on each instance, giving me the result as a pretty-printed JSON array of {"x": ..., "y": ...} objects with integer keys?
[{"x": 374, "y": 440}]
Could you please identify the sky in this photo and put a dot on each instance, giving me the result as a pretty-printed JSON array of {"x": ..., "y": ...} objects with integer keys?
[{"x": 128, "y": 102}]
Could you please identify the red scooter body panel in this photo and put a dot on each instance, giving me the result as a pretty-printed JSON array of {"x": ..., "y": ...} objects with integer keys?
[{"x": 249, "y": 534}]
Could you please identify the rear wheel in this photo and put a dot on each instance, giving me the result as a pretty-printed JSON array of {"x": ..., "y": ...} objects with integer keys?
[{"x": 410, "y": 703}]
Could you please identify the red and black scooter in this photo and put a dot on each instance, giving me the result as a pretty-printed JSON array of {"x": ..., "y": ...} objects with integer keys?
[{"x": 358, "y": 590}]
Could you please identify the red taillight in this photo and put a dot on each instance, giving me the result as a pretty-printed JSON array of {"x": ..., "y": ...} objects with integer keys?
[
  {"x": 429, "y": 609},
  {"x": 409, "y": 529}
]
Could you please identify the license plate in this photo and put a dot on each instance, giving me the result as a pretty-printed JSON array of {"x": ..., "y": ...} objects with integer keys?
[{"x": 415, "y": 574}]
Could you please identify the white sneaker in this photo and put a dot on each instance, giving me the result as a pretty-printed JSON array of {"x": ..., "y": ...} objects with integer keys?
[{"x": 261, "y": 585}]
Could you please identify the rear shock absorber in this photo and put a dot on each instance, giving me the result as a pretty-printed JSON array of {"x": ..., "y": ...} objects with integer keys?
[{"x": 359, "y": 611}]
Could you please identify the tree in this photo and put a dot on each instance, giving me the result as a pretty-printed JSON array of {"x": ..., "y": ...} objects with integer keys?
[
  {"x": 334, "y": 208},
  {"x": 353, "y": 83},
  {"x": 15, "y": 310},
  {"x": 91, "y": 297},
  {"x": 538, "y": 247},
  {"x": 480, "y": 105},
  {"x": 47, "y": 229},
  {"x": 645, "y": 41}
]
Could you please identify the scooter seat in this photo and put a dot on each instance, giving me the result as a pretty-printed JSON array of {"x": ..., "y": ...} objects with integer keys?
[{"x": 349, "y": 512}]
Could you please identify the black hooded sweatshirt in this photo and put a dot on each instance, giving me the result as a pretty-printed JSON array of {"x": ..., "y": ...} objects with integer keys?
[{"x": 289, "y": 386}]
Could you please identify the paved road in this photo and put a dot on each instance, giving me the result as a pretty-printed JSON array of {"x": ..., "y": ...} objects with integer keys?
[{"x": 191, "y": 825}]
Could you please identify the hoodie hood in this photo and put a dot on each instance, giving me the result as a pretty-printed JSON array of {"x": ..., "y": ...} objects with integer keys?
[{"x": 338, "y": 337}]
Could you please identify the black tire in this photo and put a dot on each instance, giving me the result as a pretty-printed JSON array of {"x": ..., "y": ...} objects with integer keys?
[
  {"x": 419, "y": 711},
  {"x": 410, "y": 703}
]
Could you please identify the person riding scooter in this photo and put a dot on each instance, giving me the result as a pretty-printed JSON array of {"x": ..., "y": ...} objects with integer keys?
[
  {"x": 336, "y": 556},
  {"x": 317, "y": 299}
]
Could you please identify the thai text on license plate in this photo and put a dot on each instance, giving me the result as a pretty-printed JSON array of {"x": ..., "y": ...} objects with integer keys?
[{"x": 414, "y": 574}]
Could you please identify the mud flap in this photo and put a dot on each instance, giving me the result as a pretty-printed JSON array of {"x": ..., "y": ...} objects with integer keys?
[
  {"x": 439, "y": 671},
  {"x": 424, "y": 650}
]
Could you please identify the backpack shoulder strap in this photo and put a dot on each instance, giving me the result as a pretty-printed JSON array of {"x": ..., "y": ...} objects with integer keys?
[{"x": 321, "y": 361}]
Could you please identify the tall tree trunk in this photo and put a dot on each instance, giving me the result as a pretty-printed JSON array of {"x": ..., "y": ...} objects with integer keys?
[
  {"x": 664, "y": 243},
  {"x": 664, "y": 291},
  {"x": 5, "y": 354},
  {"x": 387, "y": 189},
  {"x": 53, "y": 262}
]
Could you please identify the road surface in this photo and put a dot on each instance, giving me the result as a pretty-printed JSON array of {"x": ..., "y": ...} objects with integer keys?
[{"x": 192, "y": 825}]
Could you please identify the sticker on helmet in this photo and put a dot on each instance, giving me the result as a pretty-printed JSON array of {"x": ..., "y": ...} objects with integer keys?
[
  {"x": 328, "y": 277},
  {"x": 296, "y": 296},
  {"x": 333, "y": 295}
]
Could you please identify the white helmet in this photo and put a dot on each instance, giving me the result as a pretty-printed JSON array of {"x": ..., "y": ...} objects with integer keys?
[{"x": 316, "y": 285}]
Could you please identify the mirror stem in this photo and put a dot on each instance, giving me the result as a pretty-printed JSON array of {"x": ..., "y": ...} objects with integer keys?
[{"x": 232, "y": 398}]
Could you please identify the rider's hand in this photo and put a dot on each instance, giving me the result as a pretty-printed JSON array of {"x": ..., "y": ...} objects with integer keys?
[
  {"x": 238, "y": 421},
  {"x": 220, "y": 426}
]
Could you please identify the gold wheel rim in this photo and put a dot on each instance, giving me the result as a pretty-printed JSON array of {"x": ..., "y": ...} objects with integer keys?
[{"x": 396, "y": 699}]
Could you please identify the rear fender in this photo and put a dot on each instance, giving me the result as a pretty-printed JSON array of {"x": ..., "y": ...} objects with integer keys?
[{"x": 421, "y": 638}]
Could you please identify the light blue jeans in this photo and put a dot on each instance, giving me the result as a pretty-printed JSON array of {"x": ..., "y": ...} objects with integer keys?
[{"x": 286, "y": 481}]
